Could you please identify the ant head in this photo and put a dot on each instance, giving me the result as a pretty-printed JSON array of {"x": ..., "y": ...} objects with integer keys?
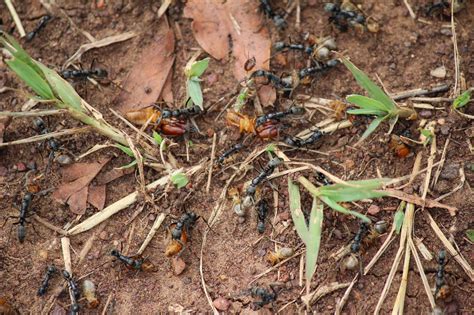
[
  {"x": 51, "y": 269},
  {"x": 260, "y": 120},
  {"x": 114, "y": 252},
  {"x": 296, "y": 110},
  {"x": 101, "y": 73},
  {"x": 39, "y": 123},
  {"x": 275, "y": 162},
  {"x": 66, "y": 274},
  {"x": 279, "y": 46},
  {"x": 330, "y": 7},
  {"x": 28, "y": 197}
]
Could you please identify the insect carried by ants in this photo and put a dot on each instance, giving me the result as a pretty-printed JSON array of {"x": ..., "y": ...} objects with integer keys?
[
  {"x": 44, "y": 284},
  {"x": 345, "y": 15},
  {"x": 137, "y": 262},
  {"x": 268, "y": 130},
  {"x": 41, "y": 24},
  {"x": 180, "y": 233}
]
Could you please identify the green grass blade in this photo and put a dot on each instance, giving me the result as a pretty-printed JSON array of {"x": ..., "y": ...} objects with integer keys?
[
  {"x": 31, "y": 78},
  {"x": 462, "y": 99},
  {"x": 470, "y": 235},
  {"x": 399, "y": 217},
  {"x": 296, "y": 212},
  {"x": 371, "y": 128},
  {"x": 314, "y": 239},
  {"x": 180, "y": 180},
  {"x": 351, "y": 194},
  {"x": 365, "y": 111},
  {"x": 337, "y": 207},
  {"x": 372, "y": 89},
  {"x": 367, "y": 102},
  {"x": 125, "y": 149},
  {"x": 131, "y": 164},
  {"x": 194, "y": 92},
  {"x": 10, "y": 42},
  {"x": 198, "y": 68},
  {"x": 62, "y": 88}
]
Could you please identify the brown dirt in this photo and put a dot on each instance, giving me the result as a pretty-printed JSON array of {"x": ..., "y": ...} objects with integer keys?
[{"x": 402, "y": 54}]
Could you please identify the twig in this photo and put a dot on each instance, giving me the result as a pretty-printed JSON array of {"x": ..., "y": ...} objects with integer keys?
[
  {"x": 88, "y": 244},
  {"x": 418, "y": 92},
  {"x": 109, "y": 298},
  {"x": 431, "y": 158},
  {"x": 47, "y": 136},
  {"x": 345, "y": 297},
  {"x": 440, "y": 166},
  {"x": 381, "y": 250},
  {"x": 275, "y": 267},
  {"x": 312, "y": 297},
  {"x": 15, "y": 17},
  {"x": 428, "y": 203},
  {"x": 419, "y": 266},
  {"x": 153, "y": 230},
  {"x": 164, "y": 6},
  {"x": 298, "y": 15},
  {"x": 34, "y": 113},
  {"x": 456, "y": 89},
  {"x": 65, "y": 245},
  {"x": 211, "y": 164},
  {"x": 410, "y": 10},
  {"x": 49, "y": 225}
]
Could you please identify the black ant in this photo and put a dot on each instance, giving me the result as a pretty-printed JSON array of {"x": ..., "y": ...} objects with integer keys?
[
  {"x": 300, "y": 142},
  {"x": 181, "y": 112},
  {"x": 443, "y": 7},
  {"x": 277, "y": 115},
  {"x": 53, "y": 144},
  {"x": 265, "y": 296},
  {"x": 75, "y": 291},
  {"x": 267, "y": 9},
  {"x": 343, "y": 17},
  {"x": 41, "y": 24},
  {"x": 130, "y": 262},
  {"x": 279, "y": 46},
  {"x": 319, "y": 67},
  {"x": 235, "y": 148},
  {"x": 180, "y": 233},
  {"x": 320, "y": 177},
  {"x": 272, "y": 78},
  {"x": 262, "y": 211},
  {"x": 96, "y": 73},
  {"x": 361, "y": 233},
  {"x": 44, "y": 285},
  {"x": 441, "y": 287},
  {"x": 25, "y": 204}
]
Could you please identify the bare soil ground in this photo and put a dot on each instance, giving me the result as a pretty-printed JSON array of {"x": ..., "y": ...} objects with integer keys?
[{"x": 402, "y": 54}]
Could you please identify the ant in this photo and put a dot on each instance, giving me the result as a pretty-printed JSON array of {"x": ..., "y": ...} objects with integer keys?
[
  {"x": 344, "y": 17},
  {"x": 180, "y": 232},
  {"x": 271, "y": 78},
  {"x": 361, "y": 233},
  {"x": 262, "y": 211},
  {"x": 44, "y": 285},
  {"x": 277, "y": 115},
  {"x": 265, "y": 296},
  {"x": 75, "y": 291},
  {"x": 246, "y": 124},
  {"x": 320, "y": 177},
  {"x": 267, "y": 171},
  {"x": 41, "y": 24},
  {"x": 96, "y": 73},
  {"x": 181, "y": 112},
  {"x": 25, "y": 204},
  {"x": 300, "y": 142},
  {"x": 52, "y": 143},
  {"x": 169, "y": 127},
  {"x": 277, "y": 19},
  {"x": 319, "y": 67},
  {"x": 279, "y": 46},
  {"x": 136, "y": 262},
  {"x": 441, "y": 289},
  {"x": 233, "y": 149}
]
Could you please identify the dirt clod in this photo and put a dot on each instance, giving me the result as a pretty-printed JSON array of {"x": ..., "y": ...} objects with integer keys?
[
  {"x": 178, "y": 265},
  {"x": 221, "y": 304}
]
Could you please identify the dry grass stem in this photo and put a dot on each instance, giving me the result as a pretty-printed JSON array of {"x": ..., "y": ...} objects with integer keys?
[
  {"x": 410, "y": 10},
  {"x": 419, "y": 92},
  {"x": 156, "y": 225},
  {"x": 15, "y": 17},
  {"x": 423, "y": 249},
  {"x": 275, "y": 267},
  {"x": 431, "y": 158},
  {"x": 65, "y": 245},
  {"x": 88, "y": 245},
  {"x": 345, "y": 297},
  {"x": 37, "y": 138},
  {"x": 95, "y": 148},
  {"x": 211, "y": 164},
  {"x": 381, "y": 250},
  {"x": 34, "y": 113},
  {"x": 49, "y": 225},
  {"x": 428, "y": 203},
  {"x": 415, "y": 171},
  {"x": 421, "y": 270}
]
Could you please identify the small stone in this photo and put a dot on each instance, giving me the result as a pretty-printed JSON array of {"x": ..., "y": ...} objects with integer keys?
[
  {"x": 373, "y": 209},
  {"x": 210, "y": 132},
  {"x": 337, "y": 233},
  {"x": 439, "y": 72},
  {"x": 445, "y": 130},
  {"x": 103, "y": 235},
  {"x": 64, "y": 159},
  {"x": 221, "y": 304},
  {"x": 450, "y": 172},
  {"x": 178, "y": 265},
  {"x": 425, "y": 113},
  {"x": 446, "y": 31},
  {"x": 20, "y": 167},
  {"x": 151, "y": 217}
]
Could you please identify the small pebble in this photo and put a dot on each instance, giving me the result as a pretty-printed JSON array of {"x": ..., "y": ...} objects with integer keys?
[
  {"x": 445, "y": 129},
  {"x": 20, "y": 167},
  {"x": 446, "y": 31},
  {"x": 373, "y": 209},
  {"x": 103, "y": 235},
  {"x": 425, "y": 113},
  {"x": 338, "y": 234},
  {"x": 64, "y": 159},
  {"x": 221, "y": 304},
  {"x": 241, "y": 220},
  {"x": 178, "y": 265},
  {"x": 151, "y": 217},
  {"x": 439, "y": 72}
]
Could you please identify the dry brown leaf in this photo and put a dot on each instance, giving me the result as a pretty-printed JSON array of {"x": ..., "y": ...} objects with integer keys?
[
  {"x": 167, "y": 92},
  {"x": 267, "y": 95},
  {"x": 96, "y": 196},
  {"x": 74, "y": 190},
  {"x": 145, "y": 81},
  {"x": 216, "y": 23},
  {"x": 106, "y": 177}
]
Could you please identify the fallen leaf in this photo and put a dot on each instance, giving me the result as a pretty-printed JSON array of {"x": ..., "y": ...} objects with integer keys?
[
  {"x": 167, "y": 92},
  {"x": 109, "y": 176},
  {"x": 216, "y": 24},
  {"x": 267, "y": 95},
  {"x": 150, "y": 73},
  {"x": 96, "y": 196},
  {"x": 74, "y": 190},
  {"x": 178, "y": 265}
]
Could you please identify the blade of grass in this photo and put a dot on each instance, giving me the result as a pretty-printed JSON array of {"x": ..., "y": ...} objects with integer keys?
[
  {"x": 371, "y": 128},
  {"x": 364, "y": 111},
  {"x": 31, "y": 78},
  {"x": 337, "y": 207},
  {"x": 296, "y": 212},
  {"x": 366, "y": 102},
  {"x": 351, "y": 194},
  {"x": 314, "y": 239}
]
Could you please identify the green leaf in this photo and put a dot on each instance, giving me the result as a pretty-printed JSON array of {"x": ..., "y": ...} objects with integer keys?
[
  {"x": 427, "y": 133},
  {"x": 462, "y": 99},
  {"x": 372, "y": 89},
  {"x": 125, "y": 149},
  {"x": 157, "y": 137},
  {"x": 335, "y": 206},
  {"x": 350, "y": 194},
  {"x": 314, "y": 239},
  {"x": 296, "y": 211},
  {"x": 367, "y": 103},
  {"x": 194, "y": 91},
  {"x": 371, "y": 128},
  {"x": 198, "y": 68},
  {"x": 131, "y": 164},
  {"x": 399, "y": 217},
  {"x": 271, "y": 148},
  {"x": 31, "y": 78},
  {"x": 180, "y": 180},
  {"x": 470, "y": 235},
  {"x": 62, "y": 88},
  {"x": 365, "y": 111},
  {"x": 10, "y": 43}
]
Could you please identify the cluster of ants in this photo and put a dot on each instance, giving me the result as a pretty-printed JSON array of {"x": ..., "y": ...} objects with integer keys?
[{"x": 173, "y": 122}]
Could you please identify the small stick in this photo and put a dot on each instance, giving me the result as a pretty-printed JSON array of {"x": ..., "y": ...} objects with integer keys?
[
  {"x": 15, "y": 17},
  {"x": 275, "y": 267},
  {"x": 153, "y": 230},
  {"x": 418, "y": 92},
  {"x": 410, "y": 10},
  {"x": 419, "y": 266},
  {"x": 109, "y": 298},
  {"x": 211, "y": 164},
  {"x": 298, "y": 15},
  {"x": 456, "y": 89},
  {"x": 34, "y": 113},
  {"x": 381, "y": 250},
  {"x": 345, "y": 297},
  {"x": 49, "y": 225},
  {"x": 431, "y": 158},
  {"x": 440, "y": 166},
  {"x": 312, "y": 297},
  {"x": 88, "y": 245},
  {"x": 37, "y": 138},
  {"x": 65, "y": 245}
]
